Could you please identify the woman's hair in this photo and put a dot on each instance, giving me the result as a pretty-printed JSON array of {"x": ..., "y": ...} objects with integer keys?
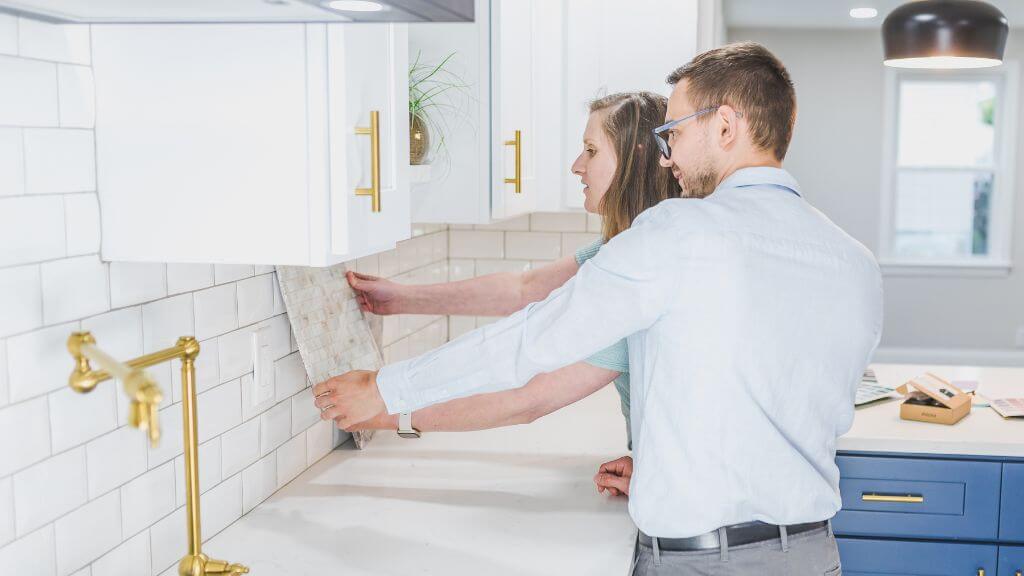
[{"x": 639, "y": 181}]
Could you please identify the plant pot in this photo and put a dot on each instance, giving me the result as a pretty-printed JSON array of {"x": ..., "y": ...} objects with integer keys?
[{"x": 419, "y": 140}]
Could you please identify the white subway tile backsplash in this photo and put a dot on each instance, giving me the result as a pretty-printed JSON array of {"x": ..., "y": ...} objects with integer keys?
[
  {"x": 215, "y": 310},
  {"x": 118, "y": 333},
  {"x": 77, "y": 101},
  {"x": 115, "y": 458},
  {"x": 82, "y": 221},
  {"x": 289, "y": 376},
  {"x": 461, "y": 269},
  {"x": 291, "y": 459},
  {"x": 34, "y": 103},
  {"x": 58, "y": 42},
  {"x": 21, "y": 300},
  {"x": 129, "y": 559},
  {"x": 34, "y": 554},
  {"x": 170, "y": 437},
  {"x": 74, "y": 288},
  {"x": 207, "y": 369},
  {"x": 255, "y": 299},
  {"x": 88, "y": 533},
  {"x": 319, "y": 441},
  {"x": 533, "y": 245},
  {"x": 573, "y": 242},
  {"x": 235, "y": 353},
  {"x": 3, "y": 374},
  {"x": 517, "y": 223},
  {"x": 12, "y": 161},
  {"x": 250, "y": 407},
  {"x": 275, "y": 427},
  {"x": 168, "y": 541},
  {"x": 232, "y": 272},
  {"x": 59, "y": 160},
  {"x": 8, "y": 34},
  {"x": 279, "y": 307},
  {"x": 188, "y": 277},
  {"x": 49, "y": 490},
  {"x": 148, "y": 498},
  {"x": 259, "y": 481},
  {"x": 31, "y": 229},
  {"x": 77, "y": 418},
  {"x": 476, "y": 244},
  {"x": 24, "y": 434},
  {"x": 221, "y": 506},
  {"x": 37, "y": 362},
  {"x": 209, "y": 470},
  {"x": 219, "y": 410},
  {"x": 164, "y": 321},
  {"x": 6, "y": 511},
  {"x": 558, "y": 222},
  {"x": 240, "y": 447},
  {"x": 136, "y": 282},
  {"x": 485, "y": 267},
  {"x": 304, "y": 411}
]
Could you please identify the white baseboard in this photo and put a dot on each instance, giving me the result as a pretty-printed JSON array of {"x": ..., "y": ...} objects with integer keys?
[{"x": 950, "y": 356}]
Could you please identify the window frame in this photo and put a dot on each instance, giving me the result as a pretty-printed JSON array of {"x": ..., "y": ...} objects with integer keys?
[{"x": 998, "y": 260}]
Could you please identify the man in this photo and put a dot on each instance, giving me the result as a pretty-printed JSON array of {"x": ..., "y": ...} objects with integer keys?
[{"x": 750, "y": 318}]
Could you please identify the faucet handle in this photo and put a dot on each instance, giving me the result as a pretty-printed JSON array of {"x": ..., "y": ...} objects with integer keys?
[
  {"x": 218, "y": 567},
  {"x": 144, "y": 410}
]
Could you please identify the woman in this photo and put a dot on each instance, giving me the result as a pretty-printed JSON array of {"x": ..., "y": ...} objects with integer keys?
[{"x": 622, "y": 177}]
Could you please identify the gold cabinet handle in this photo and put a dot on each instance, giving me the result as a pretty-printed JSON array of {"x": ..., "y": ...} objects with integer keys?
[
  {"x": 981, "y": 572},
  {"x": 1017, "y": 573},
  {"x": 374, "y": 133},
  {"x": 518, "y": 144},
  {"x": 904, "y": 498}
]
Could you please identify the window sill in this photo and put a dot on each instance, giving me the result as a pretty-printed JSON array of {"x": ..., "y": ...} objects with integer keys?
[{"x": 987, "y": 269}]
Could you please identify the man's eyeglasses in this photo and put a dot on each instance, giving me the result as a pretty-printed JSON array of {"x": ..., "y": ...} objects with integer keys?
[{"x": 661, "y": 133}]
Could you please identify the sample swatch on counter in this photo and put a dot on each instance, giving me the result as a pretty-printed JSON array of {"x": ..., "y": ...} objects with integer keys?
[{"x": 330, "y": 329}]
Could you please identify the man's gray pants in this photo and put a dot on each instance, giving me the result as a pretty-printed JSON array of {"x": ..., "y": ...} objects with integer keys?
[{"x": 811, "y": 553}]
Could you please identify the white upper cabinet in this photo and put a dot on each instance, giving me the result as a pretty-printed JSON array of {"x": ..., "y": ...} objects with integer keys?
[
  {"x": 533, "y": 66},
  {"x": 248, "y": 143}
]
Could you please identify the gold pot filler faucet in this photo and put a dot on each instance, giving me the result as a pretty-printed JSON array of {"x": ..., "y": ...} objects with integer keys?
[{"x": 145, "y": 397}]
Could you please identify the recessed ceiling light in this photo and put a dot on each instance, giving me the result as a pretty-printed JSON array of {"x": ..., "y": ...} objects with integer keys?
[
  {"x": 355, "y": 6},
  {"x": 863, "y": 13}
]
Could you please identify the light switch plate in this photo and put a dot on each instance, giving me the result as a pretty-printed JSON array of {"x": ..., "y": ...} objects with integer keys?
[{"x": 263, "y": 367}]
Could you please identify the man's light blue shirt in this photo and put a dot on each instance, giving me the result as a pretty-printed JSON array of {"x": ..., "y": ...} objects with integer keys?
[{"x": 750, "y": 317}]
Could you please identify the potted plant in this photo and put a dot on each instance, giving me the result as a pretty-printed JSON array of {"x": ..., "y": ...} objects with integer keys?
[{"x": 429, "y": 84}]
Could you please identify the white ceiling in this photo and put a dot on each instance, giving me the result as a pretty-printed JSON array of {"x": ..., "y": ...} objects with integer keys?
[{"x": 828, "y": 13}]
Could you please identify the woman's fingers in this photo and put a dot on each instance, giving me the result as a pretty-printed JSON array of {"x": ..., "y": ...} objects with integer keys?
[{"x": 613, "y": 483}]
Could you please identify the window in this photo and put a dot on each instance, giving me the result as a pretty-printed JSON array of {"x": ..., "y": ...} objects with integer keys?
[{"x": 948, "y": 168}]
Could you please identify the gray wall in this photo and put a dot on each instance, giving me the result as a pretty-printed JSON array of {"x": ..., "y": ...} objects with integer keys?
[{"x": 836, "y": 156}]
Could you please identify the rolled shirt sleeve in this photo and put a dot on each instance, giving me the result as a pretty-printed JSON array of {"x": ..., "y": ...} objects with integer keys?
[{"x": 592, "y": 311}]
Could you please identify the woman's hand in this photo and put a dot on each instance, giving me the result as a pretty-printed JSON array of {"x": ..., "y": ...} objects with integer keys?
[
  {"x": 614, "y": 476},
  {"x": 374, "y": 294}
]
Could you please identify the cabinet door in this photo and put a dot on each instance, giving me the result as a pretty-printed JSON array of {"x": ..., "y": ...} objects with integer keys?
[
  {"x": 367, "y": 73},
  {"x": 513, "y": 187},
  {"x": 1011, "y": 516},
  {"x": 1011, "y": 561},
  {"x": 905, "y": 558}
]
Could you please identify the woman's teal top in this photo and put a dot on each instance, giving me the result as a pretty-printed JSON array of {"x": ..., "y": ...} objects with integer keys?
[{"x": 614, "y": 357}]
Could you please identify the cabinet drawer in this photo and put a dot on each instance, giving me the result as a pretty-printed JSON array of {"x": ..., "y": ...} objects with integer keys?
[
  {"x": 918, "y": 498},
  {"x": 1011, "y": 516},
  {"x": 1011, "y": 561},
  {"x": 890, "y": 557}
]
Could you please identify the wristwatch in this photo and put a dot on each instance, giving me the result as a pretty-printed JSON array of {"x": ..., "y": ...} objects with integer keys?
[{"x": 405, "y": 429}]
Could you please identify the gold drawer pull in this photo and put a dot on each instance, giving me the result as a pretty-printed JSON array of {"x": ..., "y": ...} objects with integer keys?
[
  {"x": 904, "y": 498},
  {"x": 374, "y": 133},
  {"x": 518, "y": 144}
]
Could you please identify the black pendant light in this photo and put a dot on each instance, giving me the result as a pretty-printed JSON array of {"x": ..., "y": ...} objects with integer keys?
[{"x": 944, "y": 34}]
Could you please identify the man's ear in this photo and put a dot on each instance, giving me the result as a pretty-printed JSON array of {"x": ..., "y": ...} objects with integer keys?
[{"x": 728, "y": 125}]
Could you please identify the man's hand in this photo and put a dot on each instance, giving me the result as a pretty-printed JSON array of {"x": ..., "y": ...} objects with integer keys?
[
  {"x": 349, "y": 399},
  {"x": 614, "y": 476},
  {"x": 374, "y": 294}
]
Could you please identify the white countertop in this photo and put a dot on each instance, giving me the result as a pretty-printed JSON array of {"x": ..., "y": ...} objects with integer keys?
[
  {"x": 877, "y": 427},
  {"x": 511, "y": 502},
  {"x": 519, "y": 501}
]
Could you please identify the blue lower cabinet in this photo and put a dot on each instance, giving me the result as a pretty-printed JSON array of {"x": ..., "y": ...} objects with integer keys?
[
  {"x": 1011, "y": 560},
  {"x": 918, "y": 498},
  {"x": 863, "y": 557},
  {"x": 1011, "y": 517}
]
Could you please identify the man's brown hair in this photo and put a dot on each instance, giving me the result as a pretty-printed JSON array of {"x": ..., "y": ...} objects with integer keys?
[{"x": 752, "y": 80}]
